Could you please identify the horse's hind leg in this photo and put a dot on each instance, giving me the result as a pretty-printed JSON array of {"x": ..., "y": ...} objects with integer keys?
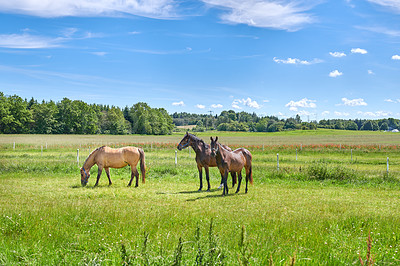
[
  {"x": 208, "y": 178},
  {"x": 134, "y": 173},
  {"x": 108, "y": 175},
  {"x": 240, "y": 181},
  {"x": 200, "y": 176},
  {"x": 98, "y": 175},
  {"x": 233, "y": 174}
]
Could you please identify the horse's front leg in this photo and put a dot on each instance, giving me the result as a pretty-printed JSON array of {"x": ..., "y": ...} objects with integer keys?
[
  {"x": 208, "y": 178},
  {"x": 98, "y": 175},
  {"x": 200, "y": 168},
  {"x": 225, "y": 183},
  {"x": 108, "y": 175}
]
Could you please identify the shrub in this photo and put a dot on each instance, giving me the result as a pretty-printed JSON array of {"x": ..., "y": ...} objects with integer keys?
[{"x": 321, "y": 170}]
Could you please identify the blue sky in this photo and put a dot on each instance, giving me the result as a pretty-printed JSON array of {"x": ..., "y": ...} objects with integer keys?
[{"x": 319, "y": 59}]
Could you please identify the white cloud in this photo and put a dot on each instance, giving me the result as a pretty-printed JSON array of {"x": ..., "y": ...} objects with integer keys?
[
  {"x": 236, "y": 106},
  {"x": 303, "y": 103},
  {"x": 303, "y": 113},
  {"x": 90, "y": 8},
  {"x": 325, "y": 113},
  {"x": 392, "y": 4},
  {"x": 396, "y": 57},
  {"x": 375, "y": 114},
  {"x": 358, "y": 51},
  {"x": 99, "y": 53},
  {"x": 337, "y": 54},
  {"x": 276, "y": 14},
  {"x": 266, "y": 101},
  {"x": 27, "y": 41},
  {"x": 381, "y": 30},
  {"x": 370, "y": 72},
  {"x": 30, "y": 41},
  {"x": 200, "y": 106},
  {"x": 216, "y": 106},
  {"x": 392, "y": 101},
  {"x": 181, "y": 103},
  {"x": 335, "y": 73},
  {"x": 296, "y": 61},
  {"x": 341, "y": 113},
  {"x": 246, "y": 102},
  {"x": 354, "y": 102}
]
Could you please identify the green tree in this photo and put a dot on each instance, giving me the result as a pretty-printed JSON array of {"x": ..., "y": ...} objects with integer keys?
[
  {"x": 370, "y": 125},
  {"x": 44, "y": 116},
  {"x": 15, "y": 116},
  {"x": 350, "y": 125},
  {"x": 114, "y": 122},
  {"x": 384, "y": 126},
  {"x": 5, "y": 115}
]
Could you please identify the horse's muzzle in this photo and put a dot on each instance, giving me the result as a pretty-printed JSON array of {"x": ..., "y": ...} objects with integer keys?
[{"x": 84, "y": 183}]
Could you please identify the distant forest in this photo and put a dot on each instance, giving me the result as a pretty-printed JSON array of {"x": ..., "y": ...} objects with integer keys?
[{"x": 22, "y": 116}]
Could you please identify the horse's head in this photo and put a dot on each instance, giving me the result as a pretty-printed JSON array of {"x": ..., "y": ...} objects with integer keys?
[
  {"x": 185, "y": 142},
  {"x": 84, "y": 176},
  {"x": 214, "y": 146}
]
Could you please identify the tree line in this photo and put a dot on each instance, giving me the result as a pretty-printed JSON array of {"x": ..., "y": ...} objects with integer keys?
[
  {"x": 20, "y": 116},
  {"x": 243, "y": 121}
]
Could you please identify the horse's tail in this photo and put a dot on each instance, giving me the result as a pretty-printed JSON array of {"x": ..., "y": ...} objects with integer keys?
[
  {"x": 142, "y": 165},
  {"x": 249, "y": 158}
]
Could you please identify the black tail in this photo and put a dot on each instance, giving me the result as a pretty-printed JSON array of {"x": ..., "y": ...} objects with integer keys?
[{"x": 142, "y": 165}]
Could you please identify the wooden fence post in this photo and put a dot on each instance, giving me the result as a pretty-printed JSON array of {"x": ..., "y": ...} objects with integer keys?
[
  {"x": 387, "y": 166},
  {"x": 277, "y": 160}
]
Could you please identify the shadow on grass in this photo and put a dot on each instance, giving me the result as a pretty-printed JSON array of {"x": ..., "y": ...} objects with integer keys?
[
  {"x": 217, "y": 196},
  {"x": 198, "y": 191},
  {"x": 188, "y": 192}
]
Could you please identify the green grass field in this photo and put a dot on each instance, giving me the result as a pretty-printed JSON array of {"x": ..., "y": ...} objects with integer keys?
[{"x": 318, "y": 209}]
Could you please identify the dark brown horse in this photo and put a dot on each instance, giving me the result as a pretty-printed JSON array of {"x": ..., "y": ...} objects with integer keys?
[
  {"x": 203, "y": 157},
  {"x": 232, "y": 161},
  {"x": 106, "y": 157}
]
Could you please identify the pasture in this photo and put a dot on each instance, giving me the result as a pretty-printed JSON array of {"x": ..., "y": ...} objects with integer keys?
[{"x": 318, "y": 208}]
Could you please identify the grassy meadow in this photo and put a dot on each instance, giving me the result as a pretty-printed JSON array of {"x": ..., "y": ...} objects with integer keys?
[{"x": 331, "y": 192}]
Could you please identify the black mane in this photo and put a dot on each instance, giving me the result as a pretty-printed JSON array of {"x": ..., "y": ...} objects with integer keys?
[{"x": 195, "y": 138}]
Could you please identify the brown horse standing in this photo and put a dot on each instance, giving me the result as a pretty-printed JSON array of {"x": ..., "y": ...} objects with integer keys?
[
  {"x": 232, "y": 161},
  {"x": 203, "y": 157},
  {"x": 106, "y": 157}
]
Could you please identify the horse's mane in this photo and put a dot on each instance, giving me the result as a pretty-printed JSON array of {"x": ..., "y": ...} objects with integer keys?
[
  {"x": 195, "y": 138},
  {"x": 93, "y": 152}
]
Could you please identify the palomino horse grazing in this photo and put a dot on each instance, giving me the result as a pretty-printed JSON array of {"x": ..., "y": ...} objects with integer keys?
[
  {"x": 232, "y": 161},
  {"x": 203, "y": 157},
  {"x": 106, "y": 157}
]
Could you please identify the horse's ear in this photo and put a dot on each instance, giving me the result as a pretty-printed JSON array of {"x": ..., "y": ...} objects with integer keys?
[
  {"x": 211, "y": 139},
  {"x": 216, "y": 138},
  {"x": 187, "y": 133}
]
